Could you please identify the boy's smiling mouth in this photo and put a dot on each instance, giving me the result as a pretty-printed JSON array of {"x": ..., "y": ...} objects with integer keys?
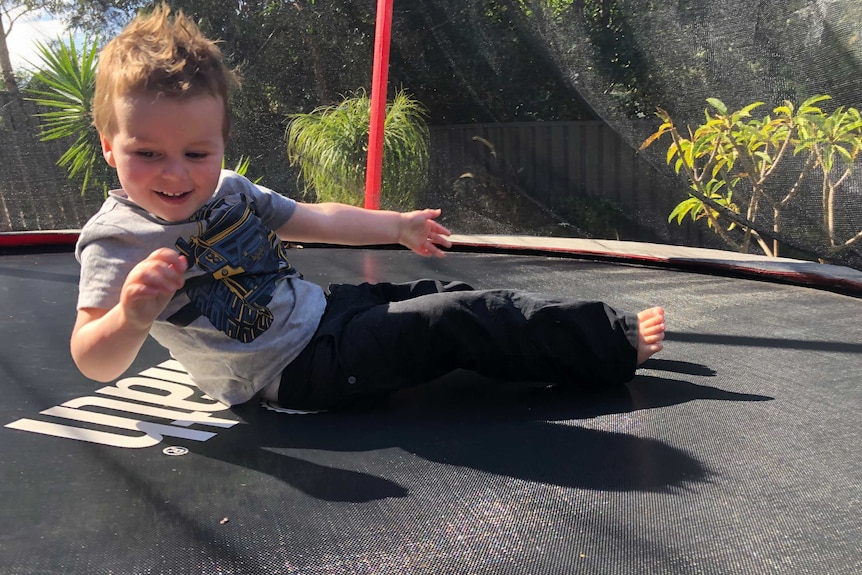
[{"x": 170, "y": 196}]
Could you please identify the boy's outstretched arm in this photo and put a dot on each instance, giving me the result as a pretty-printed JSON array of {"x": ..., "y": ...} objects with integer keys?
[
  {"x": 105, "y": 342},
  {"x": 348, "y": 225}
]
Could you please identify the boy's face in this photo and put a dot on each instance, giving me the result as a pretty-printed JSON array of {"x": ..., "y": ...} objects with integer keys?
[{"x": 168, "y": 152}]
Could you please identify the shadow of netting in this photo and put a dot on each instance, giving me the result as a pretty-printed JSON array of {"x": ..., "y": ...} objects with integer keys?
[{"x": 34, "y": 192}]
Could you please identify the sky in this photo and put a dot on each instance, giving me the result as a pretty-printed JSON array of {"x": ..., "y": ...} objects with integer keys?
[{"x": 25, "y": 32}]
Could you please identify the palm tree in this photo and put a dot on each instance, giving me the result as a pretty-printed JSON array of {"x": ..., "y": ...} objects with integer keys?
[{"x": 64, "y": 84}]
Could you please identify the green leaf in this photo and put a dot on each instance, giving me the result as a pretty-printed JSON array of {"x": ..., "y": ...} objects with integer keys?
[
  {"x": 785, "y": 110},
  {"x": 746, "y": 111},
  {"x": 808, "y": 107},
  {"x": 718, "y": 105},
  {"x": 703, "y": 144},
  {"x": 671, "y": 152},
  {"x": 713, "y": 187},
  {"x": 844, "y": 153},
  {"x": 684, "y": 208},
  {"x": 688, "y": 153}
]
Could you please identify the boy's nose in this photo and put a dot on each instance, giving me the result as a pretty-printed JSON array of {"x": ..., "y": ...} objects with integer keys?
[{"x": 174, "y": 169}]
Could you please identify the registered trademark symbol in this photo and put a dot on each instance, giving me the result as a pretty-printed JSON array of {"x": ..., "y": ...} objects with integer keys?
[{"x": 175, "y": 450}]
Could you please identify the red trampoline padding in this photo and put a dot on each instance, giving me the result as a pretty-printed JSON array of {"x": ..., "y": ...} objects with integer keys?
[{"x": 41, "y": 238}]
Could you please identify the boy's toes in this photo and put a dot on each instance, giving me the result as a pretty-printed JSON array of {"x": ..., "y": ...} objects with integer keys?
[
  {"x": 651, "y": 316},
  {"x": 651, "y": 330}
]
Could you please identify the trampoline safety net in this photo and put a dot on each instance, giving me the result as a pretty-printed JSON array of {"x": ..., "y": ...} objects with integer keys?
[{"x": 538, "y": 111}]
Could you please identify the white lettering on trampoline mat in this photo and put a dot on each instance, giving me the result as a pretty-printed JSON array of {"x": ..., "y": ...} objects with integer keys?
[{"x": 164, "y": 392}]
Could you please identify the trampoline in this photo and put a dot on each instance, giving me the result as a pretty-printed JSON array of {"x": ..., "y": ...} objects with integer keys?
[{"x": 734, "y": 450}]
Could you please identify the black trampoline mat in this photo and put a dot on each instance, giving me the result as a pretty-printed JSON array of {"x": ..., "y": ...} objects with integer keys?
[{"x": 735, "y": 450}]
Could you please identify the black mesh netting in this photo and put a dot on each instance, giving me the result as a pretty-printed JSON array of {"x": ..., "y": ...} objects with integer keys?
[{"x": 538, "y": 109}]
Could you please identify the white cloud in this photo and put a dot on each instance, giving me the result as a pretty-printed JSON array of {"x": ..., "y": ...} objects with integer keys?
[{"x": 25, "y": 32}]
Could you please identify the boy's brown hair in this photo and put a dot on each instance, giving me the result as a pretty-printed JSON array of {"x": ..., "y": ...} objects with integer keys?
[{"x": 163, "y": 55}]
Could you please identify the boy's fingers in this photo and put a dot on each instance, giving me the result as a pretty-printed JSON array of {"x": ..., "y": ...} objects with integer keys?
[
  {"x": 175, "y": 263},
  {"x": 169, "y": 256},
  {"x": 160, "y": 273},
  {"x": 429, "y": 248},
  {"x": 441, "y": 231},
  {"x": 440, "y": 239}
]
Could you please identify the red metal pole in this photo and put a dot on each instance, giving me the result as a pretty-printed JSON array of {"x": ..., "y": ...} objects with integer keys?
[{"x": 379, "y": 77}]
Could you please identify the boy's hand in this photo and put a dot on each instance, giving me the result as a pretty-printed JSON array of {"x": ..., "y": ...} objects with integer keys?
[
  {"x": 419, "y": 232},
  {"x": 150, "y": 286}
]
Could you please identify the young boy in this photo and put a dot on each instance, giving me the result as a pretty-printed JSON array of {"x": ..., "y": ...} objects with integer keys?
[{"x": 192, "y": 255}]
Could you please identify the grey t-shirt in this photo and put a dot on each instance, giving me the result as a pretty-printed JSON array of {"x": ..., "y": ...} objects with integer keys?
[{"x": 244, "y": 312}]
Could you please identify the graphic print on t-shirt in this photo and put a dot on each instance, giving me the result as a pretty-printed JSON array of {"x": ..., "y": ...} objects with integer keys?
[{"x": 242, "y": 259}]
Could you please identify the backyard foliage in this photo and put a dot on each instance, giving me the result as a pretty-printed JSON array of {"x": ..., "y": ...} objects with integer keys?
[
  {"x": 330, "y": 146},
  {"x": 745, "y": 172},
  {"x": 64, "y": 85}
]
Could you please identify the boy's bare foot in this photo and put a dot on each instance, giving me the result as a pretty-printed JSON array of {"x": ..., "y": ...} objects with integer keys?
[{"x": 650, "y": 332}]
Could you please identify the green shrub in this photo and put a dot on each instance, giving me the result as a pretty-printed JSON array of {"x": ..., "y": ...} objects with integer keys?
[
  {"x": 330, "y": 146},
  {"x": 741, "y": 178}
]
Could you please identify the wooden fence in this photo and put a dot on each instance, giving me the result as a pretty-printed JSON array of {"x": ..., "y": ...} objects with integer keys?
[
  {"x": 551, "y": 162},
  {"x": 555, "y": 161}
]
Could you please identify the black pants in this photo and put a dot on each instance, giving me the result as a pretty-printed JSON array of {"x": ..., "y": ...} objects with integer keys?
[{"x": 375, "y": 338}]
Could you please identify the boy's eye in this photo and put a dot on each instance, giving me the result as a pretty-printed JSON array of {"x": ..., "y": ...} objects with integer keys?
[
  {"x": 196, "y": 155},
  {"x": 145, "y": 153}
]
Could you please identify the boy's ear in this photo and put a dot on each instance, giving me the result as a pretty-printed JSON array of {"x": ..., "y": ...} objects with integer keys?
[{"x": 107, "y": 151}]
